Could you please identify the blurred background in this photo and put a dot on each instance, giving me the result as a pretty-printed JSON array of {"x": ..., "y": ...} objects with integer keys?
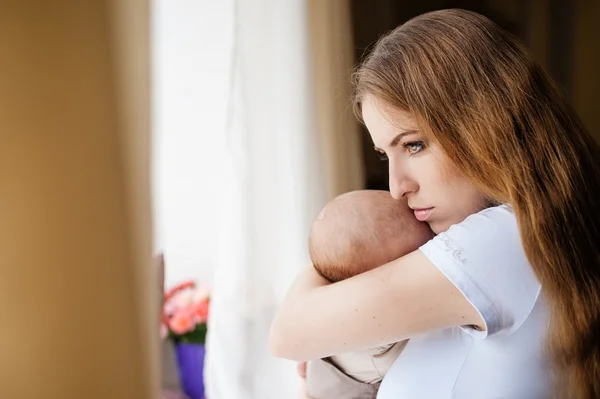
[
  {"x": 212, "y": 132},
  {"x": 253, "y": 118}
]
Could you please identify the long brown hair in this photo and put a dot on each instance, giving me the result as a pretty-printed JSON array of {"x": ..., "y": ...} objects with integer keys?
[{"x": 500, "y": 119}]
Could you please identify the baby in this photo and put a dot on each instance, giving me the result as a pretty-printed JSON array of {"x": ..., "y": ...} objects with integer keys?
[{"x": 354, "y": 233}]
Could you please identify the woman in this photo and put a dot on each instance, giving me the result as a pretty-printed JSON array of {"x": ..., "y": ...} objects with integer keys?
[{"x": 505, "y": 301}]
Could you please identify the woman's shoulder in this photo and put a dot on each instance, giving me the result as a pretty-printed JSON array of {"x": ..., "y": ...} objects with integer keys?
[
  {"x": 484, "y": 257},
  {"x": 501, "y": 215},
  {"x": 487, "y": 242},
  {"x": 493, "y": 231},
  {"x": 498, "y": 211}
]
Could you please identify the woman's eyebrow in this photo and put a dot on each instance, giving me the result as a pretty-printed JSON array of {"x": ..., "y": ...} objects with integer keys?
[{"x": 397, "y": 139}]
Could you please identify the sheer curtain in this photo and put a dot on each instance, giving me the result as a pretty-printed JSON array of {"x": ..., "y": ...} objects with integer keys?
[
  {"x": 290, "y": 147},
  {"x": 192, "y": 47},
  {"x": 191, "y": 69}
]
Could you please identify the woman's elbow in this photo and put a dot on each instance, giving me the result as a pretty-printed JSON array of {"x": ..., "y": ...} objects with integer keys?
[{"x": 280, "y": 344}]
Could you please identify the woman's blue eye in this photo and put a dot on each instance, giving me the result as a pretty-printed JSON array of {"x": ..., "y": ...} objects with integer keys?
[
  {"x": 382, "y": 156},
  {"x": 414, "y": 146}
]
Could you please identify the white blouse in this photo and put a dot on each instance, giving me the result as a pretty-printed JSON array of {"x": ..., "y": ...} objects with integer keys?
[{"x": 483, "y": 256}]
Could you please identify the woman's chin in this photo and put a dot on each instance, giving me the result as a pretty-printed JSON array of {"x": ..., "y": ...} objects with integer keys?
[{"x": 438, "y": 226}]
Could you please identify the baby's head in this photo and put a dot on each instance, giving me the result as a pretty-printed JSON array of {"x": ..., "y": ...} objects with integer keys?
[{"x": 361, "y": 230}]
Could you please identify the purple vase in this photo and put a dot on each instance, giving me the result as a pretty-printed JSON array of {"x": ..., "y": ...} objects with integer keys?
[{"x": 190, "y": 361}]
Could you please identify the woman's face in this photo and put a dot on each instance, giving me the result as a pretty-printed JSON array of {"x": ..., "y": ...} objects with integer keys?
[{"x": 436, "y": 191}]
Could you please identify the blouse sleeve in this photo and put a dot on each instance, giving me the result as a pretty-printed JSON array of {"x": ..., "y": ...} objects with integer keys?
[{"x": 483, "y": 257}]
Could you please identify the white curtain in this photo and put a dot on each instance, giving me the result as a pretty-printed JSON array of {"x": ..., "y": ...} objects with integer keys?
[
  {"x": 274, "y": 190},
  {"x": 279, "y": 173},
  {"x": 191, "y": 69},
  {"x": 192, "y": 47}
]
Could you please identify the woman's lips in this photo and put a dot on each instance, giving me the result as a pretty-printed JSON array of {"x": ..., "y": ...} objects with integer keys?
[{"x": 423, "y": 214}]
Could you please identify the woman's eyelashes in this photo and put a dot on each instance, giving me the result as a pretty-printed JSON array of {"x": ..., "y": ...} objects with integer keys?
[{"x": 413, "y": 147}]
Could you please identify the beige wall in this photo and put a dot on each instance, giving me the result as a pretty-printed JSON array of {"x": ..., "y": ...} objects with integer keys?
[
  {"x": 332, "y": 53},
  {"x": 77, "y": 302}
]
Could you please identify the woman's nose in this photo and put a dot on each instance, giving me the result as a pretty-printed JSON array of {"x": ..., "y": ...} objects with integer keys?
[{"x": 401, "y": 185}]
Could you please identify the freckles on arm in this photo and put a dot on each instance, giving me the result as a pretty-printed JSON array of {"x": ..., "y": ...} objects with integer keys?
[{"x": 396, "y": 301}]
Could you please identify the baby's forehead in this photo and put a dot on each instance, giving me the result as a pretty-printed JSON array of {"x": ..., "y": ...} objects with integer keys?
[
  {"x": 373, "y": 202},
  {"x": 366, "y": 207}
]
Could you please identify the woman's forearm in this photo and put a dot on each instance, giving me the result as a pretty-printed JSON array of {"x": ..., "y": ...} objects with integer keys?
[
  {"x": 292, "y": 312},
  {"x": 393, "y": 302},
  {"x": 308, "y": 280},
  {"x": 317, "y": 319}
]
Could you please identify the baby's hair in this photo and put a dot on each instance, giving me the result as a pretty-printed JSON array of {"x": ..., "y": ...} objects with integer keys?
[{"x": 361, "y": 230}]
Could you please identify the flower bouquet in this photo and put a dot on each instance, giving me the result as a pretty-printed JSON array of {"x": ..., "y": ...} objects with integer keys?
[{"x": 184, "y": 322}]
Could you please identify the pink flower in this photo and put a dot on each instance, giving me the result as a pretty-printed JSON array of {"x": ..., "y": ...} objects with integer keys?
[
  {"x": 184, "y": 307},
  {"x": 179, "y": 300},
  {"x": 182, "y": 321},
  {"x": 179, "y": 287},
  {"x": 202, "y": 293},
  {"x": 182, "y": 299},
  {"x": 200, "y": 311}
]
